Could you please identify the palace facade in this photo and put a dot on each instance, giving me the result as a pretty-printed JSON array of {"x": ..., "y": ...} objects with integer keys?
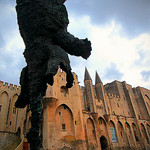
[{"x": 90, "y": 117}]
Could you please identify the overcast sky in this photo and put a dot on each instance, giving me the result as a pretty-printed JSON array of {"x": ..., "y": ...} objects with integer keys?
[{"x": 119, "y": 31}]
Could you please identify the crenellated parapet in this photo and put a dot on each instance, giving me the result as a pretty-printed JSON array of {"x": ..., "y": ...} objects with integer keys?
[
  {"x": 112, "y": 96},
  {"x": 6, "y": 86}
]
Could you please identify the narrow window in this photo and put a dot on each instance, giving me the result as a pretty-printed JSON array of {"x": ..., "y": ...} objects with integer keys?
[
  {"x": 93, "y": 132},
  {"x": 121, "y": 133},
  {"x": 65, "y": 107},
  {"x": 14, "y": 110},
  {"x": 100, "y": 121},
  {"x": 136, "y": 137},
  {"x": 59, "y": 113},
  {"x": 63, "y": 126},
  {"x": 139, "y": 116},
  {"x": 0, "y": 108},
  {"x": 117, "y": 104}
]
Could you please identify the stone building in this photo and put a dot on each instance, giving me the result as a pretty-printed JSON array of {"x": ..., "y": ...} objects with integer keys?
[
  {"x": 11, "y": 119},
  {"x": 111, "y": 116}
]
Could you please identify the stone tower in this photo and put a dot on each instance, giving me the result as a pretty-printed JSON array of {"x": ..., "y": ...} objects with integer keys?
[
  {"x": 91, "y": 105},
  {"x": 99, "y": 89}
]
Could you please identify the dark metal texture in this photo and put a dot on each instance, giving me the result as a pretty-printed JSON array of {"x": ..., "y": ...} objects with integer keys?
[{"x": 43, "y": 27}]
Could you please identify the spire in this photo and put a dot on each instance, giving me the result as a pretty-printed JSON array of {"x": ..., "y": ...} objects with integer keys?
[
  {"x": 86, "y": 75},
  {"x": 97, "y": 78}
]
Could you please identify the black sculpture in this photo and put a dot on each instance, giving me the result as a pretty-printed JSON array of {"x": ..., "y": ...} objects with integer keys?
[{"x": 43, "y": 27}]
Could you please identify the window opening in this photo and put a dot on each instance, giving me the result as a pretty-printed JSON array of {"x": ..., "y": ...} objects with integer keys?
[
  {"x": 14, "y": 110},
  {"x": 75, "y": 122},
  {"x": 65, "y": 107},
  {"x": 121, "y": 133},
  {"x": 63, "y": 126},
  {"x": 100, "y": 121},
  {"x": 136, "y": 137},
  {"x": 93, "y": 132}
]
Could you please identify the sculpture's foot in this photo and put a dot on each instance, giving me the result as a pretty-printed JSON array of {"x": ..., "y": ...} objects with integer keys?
[
  {"x": 34, "y": 139},
  {"x": 22, "y": 101}
]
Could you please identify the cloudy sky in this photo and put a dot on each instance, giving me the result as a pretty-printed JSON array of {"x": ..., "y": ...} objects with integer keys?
[{"x": 119, "y": 31}]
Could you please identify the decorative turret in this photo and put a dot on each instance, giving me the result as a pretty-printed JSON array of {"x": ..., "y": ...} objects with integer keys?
[
  {"x": 97, "y": 79},
  {"x": 100, "y": 90},
  {"x": 99, "y": 87},
  {"x": 90, "y": 99},
  {"x": 86, "y": 75}
]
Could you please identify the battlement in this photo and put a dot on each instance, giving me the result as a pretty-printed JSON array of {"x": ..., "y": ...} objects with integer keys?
[
  {"x": 6, "y": 85},
  {"x": 110, "y": 95},
  {"x": 60, "y": 72}
]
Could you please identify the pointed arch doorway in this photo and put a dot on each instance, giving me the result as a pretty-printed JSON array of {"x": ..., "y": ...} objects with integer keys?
[{"x": 104, "y": 143}]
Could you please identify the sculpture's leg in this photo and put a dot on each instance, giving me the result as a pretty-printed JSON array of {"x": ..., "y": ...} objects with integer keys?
[
  {"x": 36, "y": 120},
  {"x": 37, "y": 88},
  {"x": 37, "y": 91}
]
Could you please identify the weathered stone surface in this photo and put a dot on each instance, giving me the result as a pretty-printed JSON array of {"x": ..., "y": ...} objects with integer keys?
[
  {"x": 115, "y": 103},
  {"x": 43, "y": 27}
]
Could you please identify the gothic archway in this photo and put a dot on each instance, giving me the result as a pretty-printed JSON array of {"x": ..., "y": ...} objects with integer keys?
[
  {"x": 4, "y": 110},
  {"x": 91, "y": 134},
  {"x": 148, "y": 129},
  {"x": 102, "y": 127},
  {"x": 19, "y": 132},
  {"x": 64, "y": 121},
  {"x": 145, "y": 137},
  {"x": 122, "y": 135},
  {"x": 129, "y": 134},
  {"x": 104, "y": 143}
]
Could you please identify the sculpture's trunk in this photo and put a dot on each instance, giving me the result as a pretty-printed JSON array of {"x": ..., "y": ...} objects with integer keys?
[{"x": 33, "y": 135}]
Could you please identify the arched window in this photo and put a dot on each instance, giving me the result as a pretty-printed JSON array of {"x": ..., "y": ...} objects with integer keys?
[
  {"x": 19, "y": 132},
  {"x": 13, "y": 113},
  {"x": 148, "y": 129},
  {"x": 4, "y": 114},
  {"x": 64, "y": 120},
  {"x": 144, "y": 133},
  {"x": 135, "y": 132},
  {"x": 91, "y": 134},
  {"x": 121, "y": 134},
  {"x": 129, "y": 134},
  {"x": 147, "y": 97},
  {"x": 113, "y": 132},
  {"x": 102, "y": 126}
]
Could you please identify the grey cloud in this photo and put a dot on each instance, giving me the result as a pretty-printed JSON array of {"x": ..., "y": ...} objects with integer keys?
[
  {"x": 8, "y": 20},
  {"x": 112, "y": 73},
  {"x": 133, "y": 15},
  {"x": 143, "y": 59},
  {"x": 145, "y": 75},
  {"x": 10, "y": 64},
  {"x": 10, "y": 67}
]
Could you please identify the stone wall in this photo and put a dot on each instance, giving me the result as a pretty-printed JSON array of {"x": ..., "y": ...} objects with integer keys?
[
  {"x": 7, "y": 138},
  {"x": 91, "y": 117}
]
